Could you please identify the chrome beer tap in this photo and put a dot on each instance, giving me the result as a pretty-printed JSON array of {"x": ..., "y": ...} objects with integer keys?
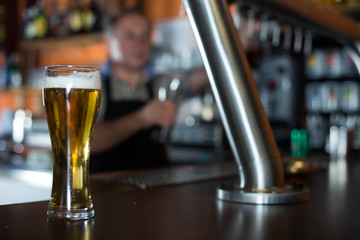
[{"x": 261, "y": 175}]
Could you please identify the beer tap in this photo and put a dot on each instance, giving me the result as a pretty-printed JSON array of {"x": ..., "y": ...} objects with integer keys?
[
  {"x": 298, "y": 39},
  {"x": 275, "y": 33},
  {"x": 308, "y": 42},
  {"x": 261, "y": 175},
  {"x": 251, "y": 14},
  {"x": 264, "y": 28},
  {"x": 287, "y": 36},
  {"x": 308, "y": 18}
]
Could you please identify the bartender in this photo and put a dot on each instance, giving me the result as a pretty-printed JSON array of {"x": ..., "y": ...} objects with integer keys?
[{"x": 130, "y": 113}]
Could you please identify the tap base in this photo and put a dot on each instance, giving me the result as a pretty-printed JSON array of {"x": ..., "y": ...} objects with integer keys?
[{"x": 290, "y": 194}]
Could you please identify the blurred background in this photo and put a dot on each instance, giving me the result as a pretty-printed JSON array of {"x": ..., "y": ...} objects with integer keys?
[{"x": 308, "y": 84}]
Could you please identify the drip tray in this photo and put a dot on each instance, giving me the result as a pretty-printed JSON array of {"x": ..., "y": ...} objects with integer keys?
[{"x": 144, "y": 179}]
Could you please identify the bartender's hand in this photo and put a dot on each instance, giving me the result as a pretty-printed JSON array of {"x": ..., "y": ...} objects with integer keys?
[{"x": 157, "y": 113}]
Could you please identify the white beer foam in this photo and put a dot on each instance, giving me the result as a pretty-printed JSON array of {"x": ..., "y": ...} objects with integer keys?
[{"x": 84, "y": 80}]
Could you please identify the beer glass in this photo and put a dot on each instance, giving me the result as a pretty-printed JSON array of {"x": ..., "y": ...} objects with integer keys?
[{"x": 71, "y": 97}]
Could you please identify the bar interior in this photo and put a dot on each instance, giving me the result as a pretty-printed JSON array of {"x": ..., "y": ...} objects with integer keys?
[{"x": 268, "y": 148}]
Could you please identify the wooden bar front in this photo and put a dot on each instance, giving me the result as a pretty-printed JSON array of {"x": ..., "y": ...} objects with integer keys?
[{"x": 191, "y": 211}]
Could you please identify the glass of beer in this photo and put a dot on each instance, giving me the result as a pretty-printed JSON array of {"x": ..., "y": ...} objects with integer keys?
[{"x": 71, "y": 97}]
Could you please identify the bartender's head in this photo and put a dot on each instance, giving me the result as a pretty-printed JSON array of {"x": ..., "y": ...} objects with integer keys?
[{"x": 129, "y": 38}]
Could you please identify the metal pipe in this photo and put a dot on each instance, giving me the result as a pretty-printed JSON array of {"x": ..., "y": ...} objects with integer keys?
[
  {"x": 247, "y": 127},
  {"x": 243, "y": 116},
  {"x": 244, "y": 119}
]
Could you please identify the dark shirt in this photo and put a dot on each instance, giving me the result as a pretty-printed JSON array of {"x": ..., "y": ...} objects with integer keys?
[{"x": 139, "y": 151}]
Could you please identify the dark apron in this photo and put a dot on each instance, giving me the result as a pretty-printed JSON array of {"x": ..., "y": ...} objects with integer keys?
[{"x": 137, "y": 152}]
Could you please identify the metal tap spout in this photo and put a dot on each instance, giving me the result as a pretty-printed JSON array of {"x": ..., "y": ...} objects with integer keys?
[{"x": 246, "y": 125}]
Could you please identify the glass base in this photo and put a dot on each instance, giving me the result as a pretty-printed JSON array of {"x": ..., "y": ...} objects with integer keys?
[{"x": 77, "y": 214}]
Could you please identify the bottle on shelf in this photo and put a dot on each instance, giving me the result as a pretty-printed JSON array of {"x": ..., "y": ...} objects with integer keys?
[
  {"x": 60, "y": 20},
  {"x": 58, "y": 24},
  {"x": 36, "y": 22},
  {"x": 13, "y": 73},
  {"x": 84, "y": 18}
]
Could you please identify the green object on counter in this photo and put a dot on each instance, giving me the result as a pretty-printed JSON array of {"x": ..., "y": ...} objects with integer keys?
[{"x": 299, "y": 143}]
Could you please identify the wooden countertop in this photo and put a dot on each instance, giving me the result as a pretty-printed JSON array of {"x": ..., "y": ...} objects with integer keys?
[{"x": 191, "y": 211}]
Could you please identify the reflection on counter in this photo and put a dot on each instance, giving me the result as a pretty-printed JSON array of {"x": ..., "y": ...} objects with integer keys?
[{"x": 72, "y": 230}]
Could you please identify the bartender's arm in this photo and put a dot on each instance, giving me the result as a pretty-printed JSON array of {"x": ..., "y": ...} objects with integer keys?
[{"x": 111, "y": 133}]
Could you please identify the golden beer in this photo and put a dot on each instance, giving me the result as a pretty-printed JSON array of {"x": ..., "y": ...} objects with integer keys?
[{"x": 71, "y": 115}]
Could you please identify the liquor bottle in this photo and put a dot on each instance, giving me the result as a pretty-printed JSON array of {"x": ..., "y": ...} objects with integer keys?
[
  {"x": 36, "y": 22},
  {"x": 41, "y": 21},
  {"x": 13, "y": 72},
  {"x": 29, "y": 27}
]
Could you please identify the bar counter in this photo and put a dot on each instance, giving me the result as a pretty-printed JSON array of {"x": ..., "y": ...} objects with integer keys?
[{"x": 191, "y": 211}]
